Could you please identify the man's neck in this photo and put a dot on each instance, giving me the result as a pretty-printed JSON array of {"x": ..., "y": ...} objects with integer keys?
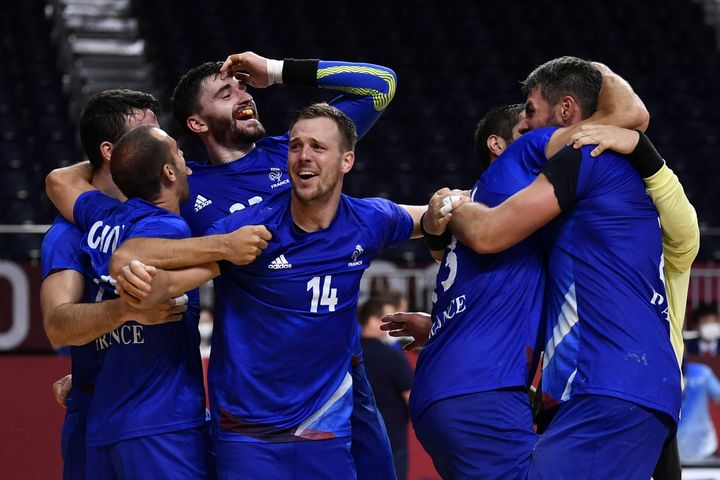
[
  {"x": 168, "y": 202},
  {"x": 313, "y": 216},
  {"x": 102, "y": 180},
  {"x": 220, "y": 154}
]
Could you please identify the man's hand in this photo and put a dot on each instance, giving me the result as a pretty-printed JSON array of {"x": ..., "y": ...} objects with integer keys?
[
  {"x": 137, "y": 282},
  {"x": 438, "y": 214},
  {"x": 168, "y": 311},
  {"x": 250, "y": 63},
  {"x": 247, "y": 243},
  {"x": 61, "y": 390},
  {"x": 606, "y": 137},
  {"x": 408, "y": 324}
]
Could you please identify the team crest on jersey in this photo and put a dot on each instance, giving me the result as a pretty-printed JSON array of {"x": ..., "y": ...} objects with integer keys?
[
  {"x": 275, "y": 175},
  {"x": 201, "y": 202},
  {"x": 355, "y": 255},
  {"x": 280, "y": 263}
]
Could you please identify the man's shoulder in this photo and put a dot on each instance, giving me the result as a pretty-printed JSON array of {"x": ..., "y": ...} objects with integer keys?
[{"x": 268, "y": 211}]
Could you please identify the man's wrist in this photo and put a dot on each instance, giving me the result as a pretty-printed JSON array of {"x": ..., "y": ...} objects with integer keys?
[
  {"x": 435, "y": 242},
  {"x": 275, "y": 71},
  {"x": 300, "y": 72},
  {"x": 645, "y": 158}
]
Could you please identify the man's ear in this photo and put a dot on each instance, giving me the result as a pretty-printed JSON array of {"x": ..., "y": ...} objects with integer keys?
[
  {"x": 569, "y": 111},
  {"x": 196, "y": 124},
  {"x": 496, "y": 144},
  {"x": 348, "y": 160},
  {"x": 169, "y": 175},
  {"x": 106, "y": 151}
]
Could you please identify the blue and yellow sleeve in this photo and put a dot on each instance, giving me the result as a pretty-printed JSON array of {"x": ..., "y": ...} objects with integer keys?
[{"x": 366, "y": 89}]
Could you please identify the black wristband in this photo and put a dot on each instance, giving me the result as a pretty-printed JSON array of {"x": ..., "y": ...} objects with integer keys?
[
  {"x": 300, "y": 72},
  {"x": 435, "y": 242},
  {"x": 646, "y": 160}
]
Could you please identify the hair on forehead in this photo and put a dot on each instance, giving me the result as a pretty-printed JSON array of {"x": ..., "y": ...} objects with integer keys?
[{"x": 346, "y": 127}]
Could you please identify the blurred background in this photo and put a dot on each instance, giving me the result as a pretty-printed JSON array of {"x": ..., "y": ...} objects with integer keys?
[{"x": 454, "y": 60}]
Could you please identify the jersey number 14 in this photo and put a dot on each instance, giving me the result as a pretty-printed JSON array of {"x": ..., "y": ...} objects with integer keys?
[{"x": 328, "y": 297}]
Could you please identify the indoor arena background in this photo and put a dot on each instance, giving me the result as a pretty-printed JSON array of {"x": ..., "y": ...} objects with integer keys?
[{"x": 454, "y": 60}]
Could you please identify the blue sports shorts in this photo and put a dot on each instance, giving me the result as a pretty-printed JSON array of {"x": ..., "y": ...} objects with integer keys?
[
  {"x": 486, "y": 435},
  {"x": 599, "y": 437}
]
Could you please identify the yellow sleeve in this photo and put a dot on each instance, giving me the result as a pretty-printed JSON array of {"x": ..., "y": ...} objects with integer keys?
[{"x": 681, "y": 234}]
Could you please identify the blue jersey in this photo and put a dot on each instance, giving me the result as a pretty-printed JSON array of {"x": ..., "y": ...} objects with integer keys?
[
  {"x": 61, "y": 251},
  {"x": 286, "y": 323},
  {"x": 607, "y": 313},
  {"x": 487, "y": 308},
  {"x": 151, "y": 379},
  {"x": 218, "y": 190}
]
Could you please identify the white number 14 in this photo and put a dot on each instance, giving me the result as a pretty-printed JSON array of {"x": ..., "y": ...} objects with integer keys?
[{"x": 329, "y": 295}]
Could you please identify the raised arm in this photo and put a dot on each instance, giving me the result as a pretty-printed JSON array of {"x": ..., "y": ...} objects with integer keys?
[
  {"x": 64, "y": 185},
  {"x": 239, "y": 247},
  {"x": 366, "y": 89},
  {"x": 618, "y": 105}
]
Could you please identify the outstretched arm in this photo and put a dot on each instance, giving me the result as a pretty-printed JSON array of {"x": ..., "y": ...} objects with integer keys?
[
  {"x": 64, "y": 185},
  {"x": 617, "y": 105},
  {"x": 492, "y": 230},
  {"x": 144, "y": 286},
  {"x": 366, "y": 89},
  {"x": 240, "y": 247}
]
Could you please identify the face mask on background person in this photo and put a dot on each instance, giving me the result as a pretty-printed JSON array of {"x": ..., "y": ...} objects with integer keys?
[{"x": 710, "y": 331}]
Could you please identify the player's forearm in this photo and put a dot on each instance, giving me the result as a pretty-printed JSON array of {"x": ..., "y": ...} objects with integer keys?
[
  {"x": 64, "y": 185},
  {"x": 681, "y": 233},
  {"x": 619, "y": 105},
  {"x": 416, "y": 212},
  {"x": 183, "y": 280},
  {"x": 170, "y": 254},
  {"x": 366, "y": 89},
  {"x": 81, "y": 323},
  {"x": 478, "y": 227}
]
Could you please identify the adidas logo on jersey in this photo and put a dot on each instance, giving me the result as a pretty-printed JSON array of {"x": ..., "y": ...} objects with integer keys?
[
  {"x": 201, "y": 202},
  {"x": 279, "y": 263}
]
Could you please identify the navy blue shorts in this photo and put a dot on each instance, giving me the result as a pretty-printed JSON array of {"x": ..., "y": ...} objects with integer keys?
[
  {"x": 371, "y": 450},
  {"x": 176, "y": 455},
  {"x": 304, "y": 460},
  {"x": 72, "y": 439},
  {"x": 598, "y": 437},
  {"x": 486, "y": 435}
]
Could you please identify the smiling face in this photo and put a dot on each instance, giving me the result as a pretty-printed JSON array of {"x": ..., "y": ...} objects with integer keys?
[
  {"x": 316, "y": 160},
  {"x": 229, "y": 112}
]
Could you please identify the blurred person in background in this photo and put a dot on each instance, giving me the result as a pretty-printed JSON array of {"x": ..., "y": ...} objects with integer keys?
[
  {"x": 390, "y": 375},
  {"x": 707, "y": 323},
  {"x": 696, "y": 436}
]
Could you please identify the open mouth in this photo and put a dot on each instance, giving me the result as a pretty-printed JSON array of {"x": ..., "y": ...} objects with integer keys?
[
  {"x": 245, "y": 114},
  {"x": 307, "y": 175}
]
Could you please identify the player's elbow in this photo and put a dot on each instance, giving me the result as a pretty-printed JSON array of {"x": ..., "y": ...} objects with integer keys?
[
  {"x": 635, "y": 116},
  {"x": 54, "y": 332},
  {"x": 484, "y": 244},
  {"x": 53, "y": 183}
]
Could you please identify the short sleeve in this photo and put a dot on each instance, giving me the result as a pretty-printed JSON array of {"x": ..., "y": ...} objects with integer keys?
[
  {"x": 563, "y": 171},
  {"x": 172, "y": 227},
  {"x": 92, "y": 205},
  {"x": 393, "y": 222}
]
